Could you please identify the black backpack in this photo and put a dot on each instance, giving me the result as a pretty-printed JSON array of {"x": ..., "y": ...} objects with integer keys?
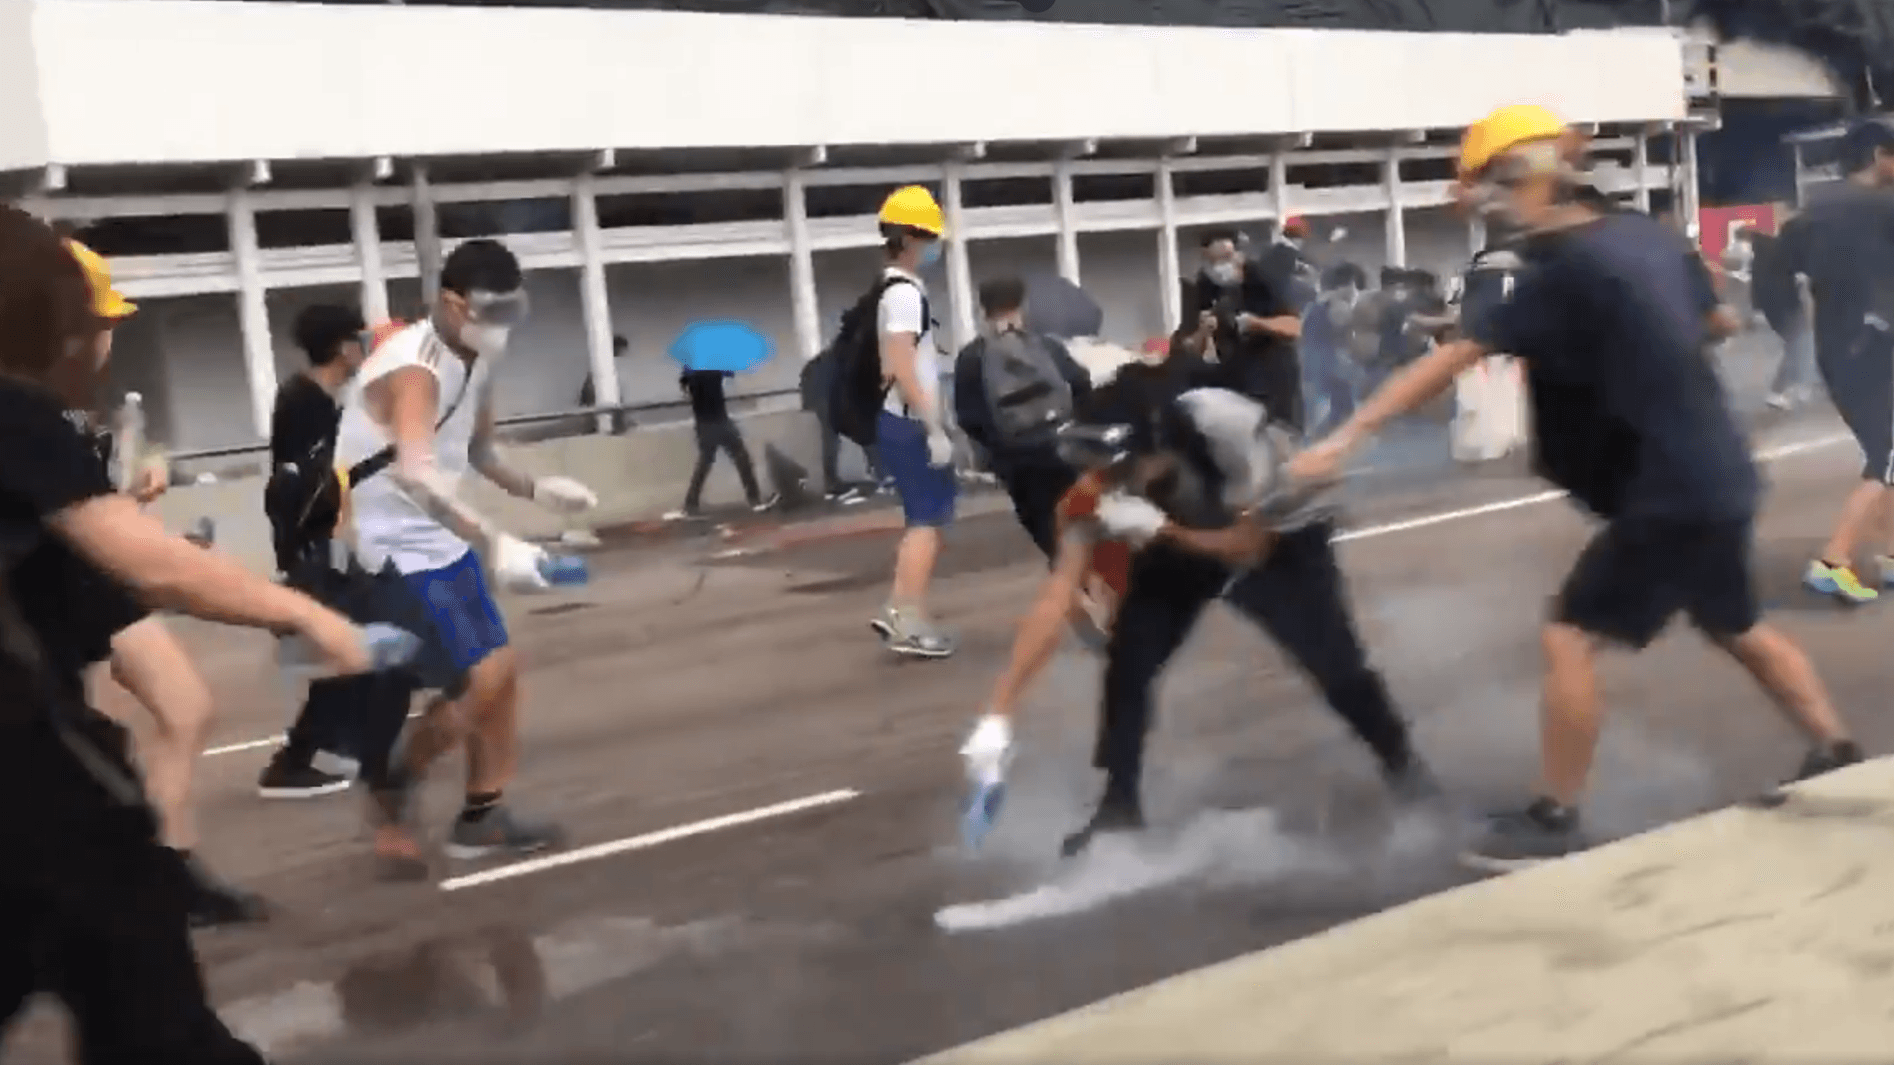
[{"x": 857, "y": 387}]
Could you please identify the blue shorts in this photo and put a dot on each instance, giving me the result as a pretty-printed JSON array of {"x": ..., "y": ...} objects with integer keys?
[
  {"x": 467, "y": 621},
  {"x": 927, "y": 492}
]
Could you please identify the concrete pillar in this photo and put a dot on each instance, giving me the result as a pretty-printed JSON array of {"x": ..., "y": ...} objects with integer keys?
[
  {"x": 1065, "y": 211},
  {"x": 1641, "y": 170},
  {"x": 1476, "y": 233},
  {"x": 594, "y": 298},
  {"x": 1688, "y": 199},
  {"x": 1169, "y": 270},
  {"x": 368, "y": 252},
  {"x": 1279, "y": 186},
  {"x": 1396, "y": 224},
  {"x": 427, "y": 236},
  {"x": 959, "y": 271},
  {"x": 253, "y": 313},
  {"x": 1801, "y": 176},
  {"x": 803, "y": 305}
]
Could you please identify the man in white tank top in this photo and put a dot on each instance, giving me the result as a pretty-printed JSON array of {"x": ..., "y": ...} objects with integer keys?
[{"x": 427, "y": 393}]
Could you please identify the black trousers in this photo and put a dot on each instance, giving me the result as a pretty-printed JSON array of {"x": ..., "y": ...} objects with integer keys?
[
  {"x": 1297, "y": 596},
  {"x": 1035, "y": 486},
  {"x": 95, "y": 912},
  {"x": 713, "y": 437}
]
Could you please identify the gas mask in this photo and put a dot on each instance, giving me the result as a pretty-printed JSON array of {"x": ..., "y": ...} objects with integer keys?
[{"x": 491, "y": 317}]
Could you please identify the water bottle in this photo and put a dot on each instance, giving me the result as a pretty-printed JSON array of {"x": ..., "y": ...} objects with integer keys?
[
  {"x": 128, "y": 444},
  {"x": 388, "y": 648},
  {"x": 564, "y": 571},
  {"x": 985, "y": 796}
]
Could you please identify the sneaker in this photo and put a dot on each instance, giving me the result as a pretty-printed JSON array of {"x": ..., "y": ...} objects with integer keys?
[
  {"x": 767, "y": 504},
  {"x": 1838, "y": 581},
  {"x": 1542, "y": 832},
  {"x": 216, "y": 904},
  {"x": 847, "y": 497},
  {"x": 1113, "y": 817},
  {"x": 1885, "y": 565},
  {"x": 1780, "y": 400},
  {"x": 907, "y": 633},
  {"x": 287, "y": 779},
  {"x": 686, "y": 514},
  {"x": 497, "y": 831},
  {"x": 1819, "y": 761}
]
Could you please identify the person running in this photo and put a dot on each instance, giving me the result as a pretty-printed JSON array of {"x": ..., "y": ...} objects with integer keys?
[
  {"x": 1194, "y": 490},
  {"x": 1611, "y": 319},
  {"x": 146, "y": 660},
  {"x": 424, "y": 397},
  {"x": 911, "y": 441},
  {"x": 1844, "y": 245},
  {"x": 710, "y": 416},
  {"x": 302, "y": 519},
  {"x": 96, "y": 910}
]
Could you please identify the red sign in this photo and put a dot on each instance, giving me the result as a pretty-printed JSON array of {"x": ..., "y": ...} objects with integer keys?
[{"x": 1717, "y": 224}]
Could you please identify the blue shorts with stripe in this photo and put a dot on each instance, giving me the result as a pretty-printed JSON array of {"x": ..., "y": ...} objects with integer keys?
[{"x": 467, "y": 622}]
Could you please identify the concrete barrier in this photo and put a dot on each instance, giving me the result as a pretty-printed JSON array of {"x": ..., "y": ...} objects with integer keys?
[
  {"x": 638, "y": 475},
  {"x": 1765, "y": 937}
]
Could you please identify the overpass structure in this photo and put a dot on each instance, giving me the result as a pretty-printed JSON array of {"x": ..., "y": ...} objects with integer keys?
[{"x": 651, "y": 167}]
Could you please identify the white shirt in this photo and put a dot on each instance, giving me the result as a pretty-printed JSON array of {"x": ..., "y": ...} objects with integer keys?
[
  {"x": 1250, "y": 451},
  {"x": 903, "y": 310},
  {"x": 389, "y": 526}
]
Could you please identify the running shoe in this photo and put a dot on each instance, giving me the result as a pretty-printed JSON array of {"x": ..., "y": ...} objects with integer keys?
[
  {"x": 1542, "y": 832},
  {"x": 1838, "y": 581},
  {"x": 1113, "y": 817},
  {"x": 215, "y": 903},
  {"x": 847, "y": 497},
  {"x": 1885, "y": 564},
  {"x": 685, "y": 514},
  {"x": 285, "y": 778},
  {"x": 905, "y": 632},
  {"x": 767, "y": 504},
  {"x": 500, "y": 831},
  {"x": 1819, "y": 760},
  {"x": 987, "y": 752}
]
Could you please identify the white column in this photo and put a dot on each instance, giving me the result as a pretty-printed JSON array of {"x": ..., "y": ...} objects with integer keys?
[
  {"x": 427, "y": 236},
  {"x": 1279, "y": 186},
  {"x": 1066, "y": 212},
  {"x": 1169, "y": 270},
  {"x": 1641, "y": 169},
  {"x": 368, "y": 252},
  {"x": 1801, "y": 175},
  {"x": 1689, "y": 199},
  {"x": 1396, "y": 224},
  {"x": 959, "y": 271},
  {"x": 253, "y": 313},
  {"x": 803, "y": 305},
  {"x": 1476, "y": 233},
  {"x": 594, "y": 298}
]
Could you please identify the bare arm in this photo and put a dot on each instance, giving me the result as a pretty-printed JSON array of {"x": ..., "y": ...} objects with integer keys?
[
  {"x": 111, "y": 532},
  {"x": 898, "y": 361},
  {"x": 410, "y": 397},
  {"x": 485, "y": 456}
]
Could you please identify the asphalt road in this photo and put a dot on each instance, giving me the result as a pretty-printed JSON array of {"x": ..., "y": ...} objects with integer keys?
[{"x": 679, "y": 688}]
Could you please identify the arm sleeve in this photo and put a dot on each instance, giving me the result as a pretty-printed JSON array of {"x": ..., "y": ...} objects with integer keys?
[
  {"x": 902, "y": 310},
  {"x": 44, "y": 462}
]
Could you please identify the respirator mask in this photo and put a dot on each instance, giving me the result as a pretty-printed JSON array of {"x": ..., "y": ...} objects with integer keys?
[
  {"x": 1225, "y": 274},
  {"x": 491, "y": 317}
]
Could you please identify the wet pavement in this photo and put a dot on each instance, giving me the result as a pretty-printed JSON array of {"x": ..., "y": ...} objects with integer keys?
[{"x": 679, "y": 694}]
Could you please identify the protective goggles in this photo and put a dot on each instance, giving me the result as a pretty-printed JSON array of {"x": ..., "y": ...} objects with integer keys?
[{"x": 498, "y": 308}]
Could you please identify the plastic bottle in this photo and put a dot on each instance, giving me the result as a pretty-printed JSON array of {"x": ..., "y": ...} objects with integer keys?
[
  {"x": 388, "y": 647},
  {"x": 564, "y": 571}
]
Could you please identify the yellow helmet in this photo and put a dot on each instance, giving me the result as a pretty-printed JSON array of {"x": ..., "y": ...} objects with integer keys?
[
  {"x": 1504, "y": 130},
  {"x": 914, "y": 207},
  {"x": 107, "y": 302}
]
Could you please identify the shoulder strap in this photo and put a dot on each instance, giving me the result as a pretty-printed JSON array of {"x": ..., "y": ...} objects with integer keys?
[{"x": 382, "y": 459}]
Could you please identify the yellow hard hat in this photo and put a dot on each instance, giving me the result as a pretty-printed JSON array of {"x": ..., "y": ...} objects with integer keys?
[
  {"x": 107, "y": 302},
  {"x": 914, "y": 207},
  {"x": 1504, "y": 130}
]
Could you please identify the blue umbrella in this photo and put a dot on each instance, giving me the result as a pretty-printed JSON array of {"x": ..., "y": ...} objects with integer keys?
[{"x": 729, "y": 347}]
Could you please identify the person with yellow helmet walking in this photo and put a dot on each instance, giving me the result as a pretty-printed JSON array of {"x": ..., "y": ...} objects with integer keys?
[
  {"x": 1610, "y": 317},
  {"x": 887, "y": 397}
]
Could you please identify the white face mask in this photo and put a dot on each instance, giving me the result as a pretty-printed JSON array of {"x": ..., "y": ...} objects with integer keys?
[
  {"x": 1225, "y": 273},
  {"x": 487, "y": 341}
]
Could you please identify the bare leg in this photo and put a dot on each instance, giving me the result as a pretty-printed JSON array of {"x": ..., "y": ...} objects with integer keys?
[
  {"x": 1786, "y": 673},
  {"x": 148, "y": 662},
  {"x": 1043, "y": 627},
  {"x": 914, "y": 566},
  {"x": 1569, "y": 712},
  {"x": 1861, "y": 518},
  {"x": 493, "y": 739}
]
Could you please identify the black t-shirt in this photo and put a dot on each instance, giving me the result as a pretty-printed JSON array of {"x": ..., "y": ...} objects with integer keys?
[
  {"x": 1844, "y": 242},
  {"x": 1611, "y": 318},
  {"x": 297, "y": 497},
  {"x": 46, "y": 466},
  {"x": 706, "y": 391},
  {"x": 1241, "y": 355},
  {"x": 303, "y": 423}
]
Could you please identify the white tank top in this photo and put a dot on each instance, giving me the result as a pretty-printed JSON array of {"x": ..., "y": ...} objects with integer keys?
[{"x": 389, "y": 526}]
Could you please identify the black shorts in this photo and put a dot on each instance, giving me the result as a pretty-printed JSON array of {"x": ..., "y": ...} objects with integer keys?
[
  {"x": 1639, "y": 572},
  {"x": 386, "y": 597},
  {"x": 1857, "y": 367}
]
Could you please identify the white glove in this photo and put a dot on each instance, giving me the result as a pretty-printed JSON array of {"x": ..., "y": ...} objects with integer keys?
[
  {"x": 1129, "y": 518},
  {"x": 940, "y": 448},
  {"x": 517, "y": 564},
  {"x": 988, "y": 750},
  {"x": 563, "y": 494}
]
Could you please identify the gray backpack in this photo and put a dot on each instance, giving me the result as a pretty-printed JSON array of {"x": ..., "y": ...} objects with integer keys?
[{"x": 1026, "y": 394}]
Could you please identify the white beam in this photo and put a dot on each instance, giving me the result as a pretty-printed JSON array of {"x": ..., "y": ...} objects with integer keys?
[
  {"x": 1063, "y": 210},
  {"x": 367, "y": 234},
  {"x": 1169, "y": 270},
  {"x": 804, "y": 308},
  {"x": 968, "y": 153},
  {"x": 253, "y": 313},
  {"x": 812, "y": 156},
  {"x": 1476, "y": 233},
  {"x": 1079, "y": 149},
  {"x": 52, "y": 178},
  {"x": 381, "y": 168},
  {"x": 1396, "y": 216},
  {"x": 1298, "y": 141},
  {"x": 1279, "y": 185},
  {"x": 1641, "y": 170},
  {"x": 1180, "y": 146},
  {"x": 959, "y": 271},
  {"x": 594, "y": 299},
  {"x": 257, "y": 172},
  {"x": 427, "y": 236},
  {"x": 1412, "y": 136},
  {"x": 602, "y": 160}
]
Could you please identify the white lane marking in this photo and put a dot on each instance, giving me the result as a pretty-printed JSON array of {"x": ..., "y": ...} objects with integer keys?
[
  {"x": 649, "y": 839},
  {"x": 1768, "y": 454}
]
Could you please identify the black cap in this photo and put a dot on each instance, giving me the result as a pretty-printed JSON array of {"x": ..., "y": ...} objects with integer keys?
[{"x": 1863, "y": 140}]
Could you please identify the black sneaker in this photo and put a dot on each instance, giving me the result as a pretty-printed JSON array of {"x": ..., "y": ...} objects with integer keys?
[
  {"x": 1112, "y": 817},
  {"x": 1542, "y": 832},
  {"x": 1818, "y": 761},
  {"x": 500, "y": 831},
  {"x": 287, "y": 778},
  {"x": 216, "y": 904}
]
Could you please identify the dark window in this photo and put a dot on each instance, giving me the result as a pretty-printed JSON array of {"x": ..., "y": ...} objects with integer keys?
[
  {"x": 158, "y": 235},
  {"x": 299, "y": 229},
  {"x": 1090, "y": 187},
  {"x": 1221, "y": 182},
  {"x": 689, "y": 208},
  {"x": 1005, "y": 192},
  {"x": 1331, "y": 175},
  {"x": 1427, "y": 169}
]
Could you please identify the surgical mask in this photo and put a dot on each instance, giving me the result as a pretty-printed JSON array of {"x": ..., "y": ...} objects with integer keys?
[
  {"x": 1225, "y": 273},
  {"x": 486, "y": 339},
  {"x": 930, "y": 254}
]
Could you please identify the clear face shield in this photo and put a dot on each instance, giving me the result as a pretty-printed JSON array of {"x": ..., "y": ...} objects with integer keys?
[
  {"x": 491, "y": 317},
  {"x": 1494, "y": 193}
]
